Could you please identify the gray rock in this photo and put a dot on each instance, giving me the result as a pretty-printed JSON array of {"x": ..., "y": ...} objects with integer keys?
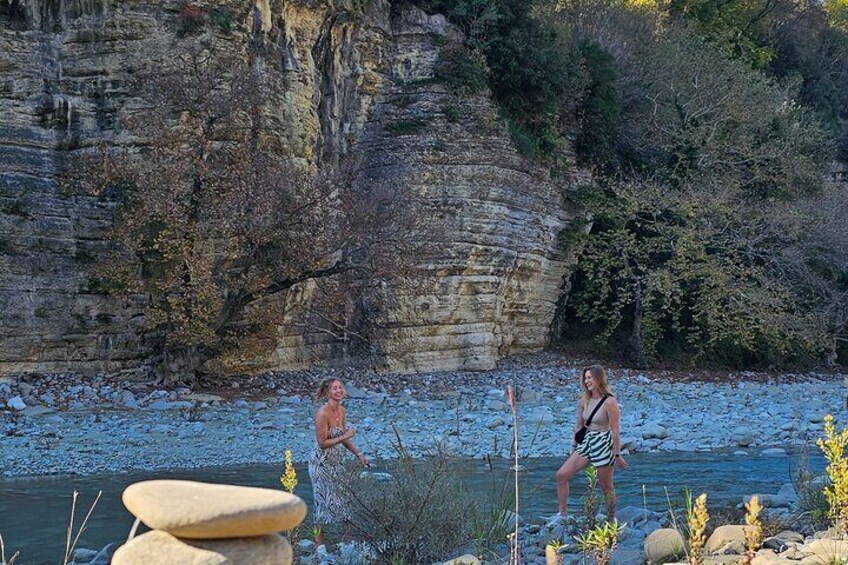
[
  {"x": 632, "y": 515},
  {"x": 496, "y": 405},
  {"x": 734, "y": 547},
  {"x": 774, "y": 452},
  {"x": 496, "y": 423},
  {"x": 654, "y": 430},
  {"x": 743, "y": 436},
  {"x": 83, "y": 554},
  {"x": 36, "y": 411},
  {"x": 627, "y": 557},
  {"x": 160, "y": 405},
  {"x": 788, "y": 492},
  {"x": 128, "y": 400},
  {"x": 352, "y": 391},
  {"x": 16, "y": 403},
  {"x": 104, "y": 556}
]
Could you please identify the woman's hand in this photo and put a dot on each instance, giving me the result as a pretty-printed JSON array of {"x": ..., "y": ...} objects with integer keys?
[
  {"x": 363, "y": 460},
  {"x": 349, "y": 433},
  {"x": 622, "y": 464}
]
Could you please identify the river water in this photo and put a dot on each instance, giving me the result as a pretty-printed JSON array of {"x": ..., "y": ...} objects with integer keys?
[{"x": 34, "y": 511}]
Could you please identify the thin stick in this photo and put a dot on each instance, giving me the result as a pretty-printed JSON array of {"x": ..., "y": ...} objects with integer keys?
[
  {"x": 516, "y": 554},
  {"x": 134, "y": 529},
  {"x": 70, "y": 528}
]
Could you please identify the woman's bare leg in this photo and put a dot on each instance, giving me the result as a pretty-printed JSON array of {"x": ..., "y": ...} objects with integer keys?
[
  {"x": 573, "y": 465},
  {"x": 605, "y": 481}
]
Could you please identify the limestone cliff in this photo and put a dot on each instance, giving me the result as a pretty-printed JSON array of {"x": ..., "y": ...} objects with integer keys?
[{"x": 359, "y": 80}]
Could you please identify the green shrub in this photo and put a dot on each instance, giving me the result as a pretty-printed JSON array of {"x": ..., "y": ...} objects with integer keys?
[
  {"x": 222, "y": 19},
  {"x": 420, "y": 515},
  {"x": 599, "y": 113},
  {"x": 462, "y": 70},
  {"x": 451, "y": 113},
  {"x": 405, "y": 127}
]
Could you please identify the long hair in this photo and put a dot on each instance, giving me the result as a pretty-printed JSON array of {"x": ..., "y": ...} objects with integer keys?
[
  {"x": 600, "y": 375},
  {"x": 323, "y": 389}
]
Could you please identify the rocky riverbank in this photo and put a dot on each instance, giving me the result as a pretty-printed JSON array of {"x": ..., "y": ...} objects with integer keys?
[{"x": 59, "y": 424}]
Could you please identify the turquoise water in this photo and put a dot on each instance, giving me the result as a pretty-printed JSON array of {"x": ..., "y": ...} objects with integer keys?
[{"x": 34, "y": 511}]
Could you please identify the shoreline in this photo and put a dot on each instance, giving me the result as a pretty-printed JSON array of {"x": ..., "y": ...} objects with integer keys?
[{"x": 102, "y": 427}]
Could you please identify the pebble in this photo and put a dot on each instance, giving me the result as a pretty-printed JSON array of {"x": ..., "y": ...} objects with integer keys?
[{"x": 466, "y": 410}]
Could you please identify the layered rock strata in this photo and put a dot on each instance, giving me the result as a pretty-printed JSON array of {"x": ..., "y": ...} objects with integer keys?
[{"x": 359, "y": 81}]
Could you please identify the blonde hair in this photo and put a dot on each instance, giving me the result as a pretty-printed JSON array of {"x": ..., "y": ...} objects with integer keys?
[
  {"x": 324, "y": 385},
  {"x": 600, "y": 376}
]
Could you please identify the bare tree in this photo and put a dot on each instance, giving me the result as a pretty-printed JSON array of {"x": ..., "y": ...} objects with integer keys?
[{"x": 216, "y": 221}]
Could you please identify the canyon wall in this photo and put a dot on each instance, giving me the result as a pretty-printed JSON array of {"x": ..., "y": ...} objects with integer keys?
[{"x": 359, "y": 81}]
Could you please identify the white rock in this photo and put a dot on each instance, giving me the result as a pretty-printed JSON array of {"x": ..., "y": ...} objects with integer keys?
[
  {"x": 654, "y": 430},
  {"x": 16, "y": 403},
  {"x": 743, "y": 436}
]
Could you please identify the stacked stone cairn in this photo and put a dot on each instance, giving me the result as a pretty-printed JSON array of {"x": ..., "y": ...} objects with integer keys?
[{"x": 204, "y": 524}]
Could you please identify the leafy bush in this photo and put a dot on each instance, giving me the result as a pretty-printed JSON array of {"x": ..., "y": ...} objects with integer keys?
[
  {"x": 451, "y": 113},
  {"x": 405, "y": 127},
  {"x": 812, "y": 504},
  {"x": 600, "y": 541},
  {"x": 222, "y": 19},
  {"x": 420, "y": 515},
  {"x": 834, "y": 446},
  {"x": 462, "y": 70},
  {"x": 599, "y": 113}
]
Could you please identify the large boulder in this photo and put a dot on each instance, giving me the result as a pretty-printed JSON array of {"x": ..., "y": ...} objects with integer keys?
[
  {"x": 743, "y": 436},
  {"x": 654, "y": 430},
  {"x": 664, "y": 545},
  {"x": 723, "y": 535},
  {"x": 190, "y": 509},
  {"x": 825, "y": 552},
  {"x": 467, "y": 559},
  {"x": 161, "y": 548},
  {"x": 627, "y": 557}
]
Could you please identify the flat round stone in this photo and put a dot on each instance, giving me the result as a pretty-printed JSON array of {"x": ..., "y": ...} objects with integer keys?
[
  {"x": 161, "y": 548},
  {"x": 190, "y": 509}
]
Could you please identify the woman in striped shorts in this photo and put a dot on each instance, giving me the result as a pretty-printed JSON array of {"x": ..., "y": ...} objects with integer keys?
[{"x": 601, "y": 446}]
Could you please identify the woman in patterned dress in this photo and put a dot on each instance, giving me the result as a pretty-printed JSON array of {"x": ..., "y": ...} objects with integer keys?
[
  {"x": 325, "y": 465},
  {"x": 601, "y": 446}
]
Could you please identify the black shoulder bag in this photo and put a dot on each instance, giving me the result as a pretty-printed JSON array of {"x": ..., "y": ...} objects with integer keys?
[{"x": 581, "y": 433}]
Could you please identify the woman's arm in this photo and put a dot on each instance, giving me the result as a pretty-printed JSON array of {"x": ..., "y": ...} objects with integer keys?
[
  {"x": 578, "y": 423},
  {"x": 614, "y": 415},
  {"x": 349, "y": 444},
  {"x": 322, "y": 432}
]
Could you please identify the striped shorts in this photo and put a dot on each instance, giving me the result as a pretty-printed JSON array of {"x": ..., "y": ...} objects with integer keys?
[{"x": 597, "y": 448}]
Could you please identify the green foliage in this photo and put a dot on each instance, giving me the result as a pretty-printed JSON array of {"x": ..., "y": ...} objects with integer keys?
[
  {"x": 462, "y": 70},
  {"x": 666, "y": 265},
  {"x": 405, "y": 127},
  {"x": 101, "y": 285},
  {"x": 530, "y": 68},
  {"x": 419, "y": 515},
  {"x": 598, "y": 115},
  {"x": 834, "y": 446},
  {"x": 735, "y": 26},
  {"x": 600, "y": 541},
  {"x": 591, "y": 502},
  {"x": 222, "y": 19},
  {"x": 451, "y": 113}
]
